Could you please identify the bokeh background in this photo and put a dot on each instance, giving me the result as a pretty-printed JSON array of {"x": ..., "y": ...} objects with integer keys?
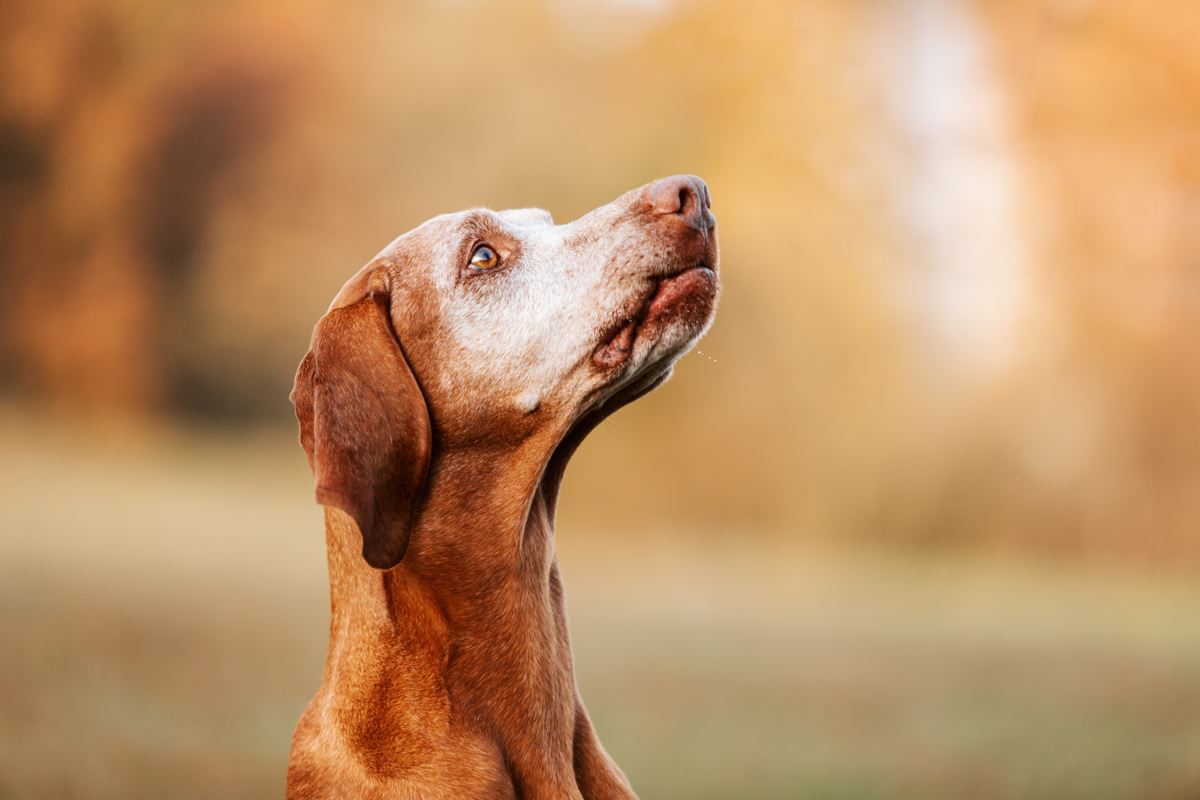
[{"x": 920, "y": 519}]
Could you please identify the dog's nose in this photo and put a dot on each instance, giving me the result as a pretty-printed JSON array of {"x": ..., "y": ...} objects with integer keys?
[{"x": 685, "y": 196}]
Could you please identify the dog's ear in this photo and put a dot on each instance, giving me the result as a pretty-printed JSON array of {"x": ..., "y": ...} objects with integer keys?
[{"x": 364, "y": 424}]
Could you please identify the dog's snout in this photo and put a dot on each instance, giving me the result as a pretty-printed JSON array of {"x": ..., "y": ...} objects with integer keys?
[{"x": 685, "y": 196}]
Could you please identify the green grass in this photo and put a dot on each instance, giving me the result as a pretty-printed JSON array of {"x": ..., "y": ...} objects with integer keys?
[{"x": 162, "y": 612}]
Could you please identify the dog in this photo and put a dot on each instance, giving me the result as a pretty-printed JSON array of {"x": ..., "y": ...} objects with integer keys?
[{"x": 442, "y": 395}]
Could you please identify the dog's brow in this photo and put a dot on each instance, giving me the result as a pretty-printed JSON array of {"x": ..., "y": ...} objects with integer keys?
[{"x": 482, "y": 225}]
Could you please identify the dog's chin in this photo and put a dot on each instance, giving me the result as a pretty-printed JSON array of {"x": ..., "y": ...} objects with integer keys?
[{"x": 674, "y": 315}]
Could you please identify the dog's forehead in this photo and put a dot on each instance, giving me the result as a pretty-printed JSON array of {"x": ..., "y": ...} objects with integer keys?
[
  {"x": 526, "y": 218},
  {"x": 427, "y": 253},
  {"x": 447, "y": 229},
  {"x": 514, "y": 220},
  {"x": 440, "y": 238}
]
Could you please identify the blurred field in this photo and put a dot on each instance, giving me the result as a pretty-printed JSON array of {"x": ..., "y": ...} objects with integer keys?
[{"x": 162, "y": 601}]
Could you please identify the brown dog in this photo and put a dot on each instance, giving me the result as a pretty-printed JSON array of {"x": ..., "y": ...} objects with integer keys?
[{"x": 441, "y": 398}]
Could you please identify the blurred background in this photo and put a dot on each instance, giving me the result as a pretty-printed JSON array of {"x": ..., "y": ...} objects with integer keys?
[{"x": 920, "y": 519}]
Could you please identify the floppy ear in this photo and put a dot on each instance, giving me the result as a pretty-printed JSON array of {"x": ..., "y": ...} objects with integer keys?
[{"x": 364, "y": 425}]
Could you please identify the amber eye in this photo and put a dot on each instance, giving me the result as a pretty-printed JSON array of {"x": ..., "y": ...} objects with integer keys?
[{"x": 484, "y": 257}]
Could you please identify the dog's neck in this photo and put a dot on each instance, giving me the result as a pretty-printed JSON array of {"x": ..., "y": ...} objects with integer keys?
[{"x": 474, "y": 611}]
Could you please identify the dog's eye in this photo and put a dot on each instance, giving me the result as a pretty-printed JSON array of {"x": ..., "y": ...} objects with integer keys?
[{"x": 484, "y": 258}]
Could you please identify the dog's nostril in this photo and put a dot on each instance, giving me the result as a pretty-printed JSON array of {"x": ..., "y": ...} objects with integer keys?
[
  {"x": 687, "y": 201},
  {"x": 684, "y": 195}
]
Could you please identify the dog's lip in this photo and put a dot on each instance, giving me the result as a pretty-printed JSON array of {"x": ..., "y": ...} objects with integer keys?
[
  {"x": 672, "y": 288},
  {"x": 617, "y": 343}
]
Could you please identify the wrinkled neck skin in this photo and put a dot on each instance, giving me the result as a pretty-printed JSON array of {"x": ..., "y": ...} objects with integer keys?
[{"x": 463, "y": 647}]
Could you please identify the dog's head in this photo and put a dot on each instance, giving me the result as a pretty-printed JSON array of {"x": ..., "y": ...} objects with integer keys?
[{"x": 486, "y": 327}]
